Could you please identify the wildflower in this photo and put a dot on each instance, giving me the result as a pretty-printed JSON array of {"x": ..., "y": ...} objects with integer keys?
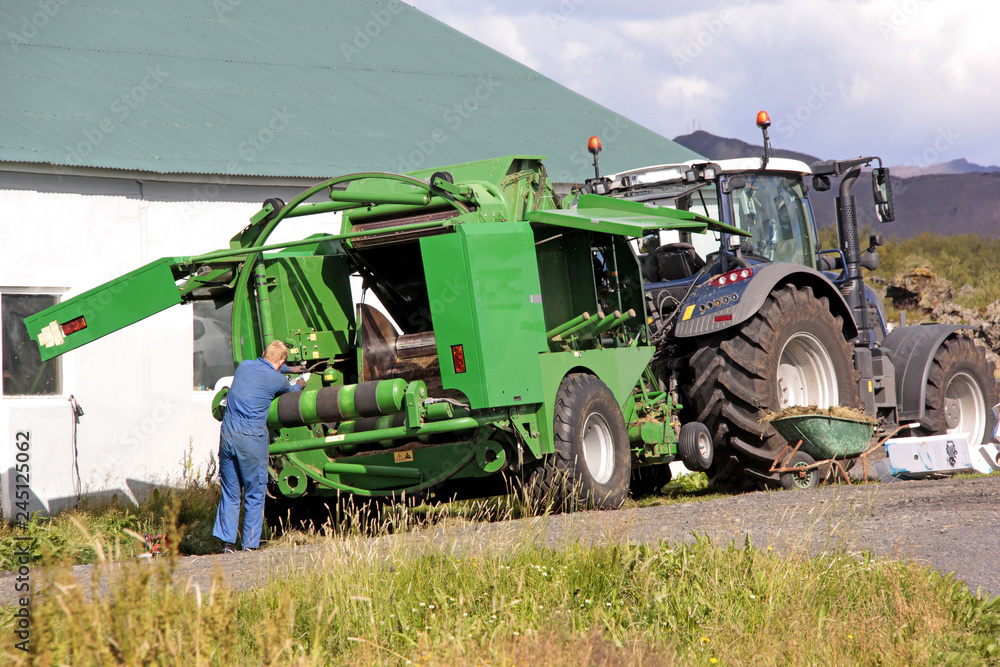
[
  {"x": 713, "y": 660},
  {"x": 704, "y": 640}
]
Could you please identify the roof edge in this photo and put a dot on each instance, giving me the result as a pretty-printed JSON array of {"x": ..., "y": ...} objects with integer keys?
[{"x": 49, "y": 169}]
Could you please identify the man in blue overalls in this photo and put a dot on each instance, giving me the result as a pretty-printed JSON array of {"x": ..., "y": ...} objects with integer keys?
[{"x": 243, "y": 444}]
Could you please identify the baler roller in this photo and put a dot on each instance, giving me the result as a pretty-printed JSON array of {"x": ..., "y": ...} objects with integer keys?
[{"x": 337, "y": 404}]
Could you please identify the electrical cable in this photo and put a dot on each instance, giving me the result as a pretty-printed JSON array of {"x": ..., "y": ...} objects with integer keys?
[{"x": 77, "y": 413}]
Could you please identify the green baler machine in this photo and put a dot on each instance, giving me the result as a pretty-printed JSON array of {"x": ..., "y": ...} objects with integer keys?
[{"x": 514, "y": 343}]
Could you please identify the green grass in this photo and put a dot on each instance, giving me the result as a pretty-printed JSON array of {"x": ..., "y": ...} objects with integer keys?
[
  {"x": 971, "y": 263},
  {"x": 513, "y": 602},
  {"x": 70, "y": 536},
  {"x": 521, "y": 604}
]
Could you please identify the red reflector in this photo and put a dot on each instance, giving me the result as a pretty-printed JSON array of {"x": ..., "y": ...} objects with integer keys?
[
  {"x": 458, "y": 358},
  {"x": 723, "y": 318},
  {"x": 74, "y": 325}
]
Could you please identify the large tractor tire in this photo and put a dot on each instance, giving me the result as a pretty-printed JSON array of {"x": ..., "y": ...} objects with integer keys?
[
  {"x": 961, "y": 389},
  {"x": 592, "y": 460},
  {"x": 792, "y": 352}
]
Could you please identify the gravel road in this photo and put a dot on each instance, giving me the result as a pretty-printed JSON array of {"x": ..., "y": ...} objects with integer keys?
[{"x": 951, "y": 524}]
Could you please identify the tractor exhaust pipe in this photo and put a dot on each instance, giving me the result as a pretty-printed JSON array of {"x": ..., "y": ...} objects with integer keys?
[{"x": 847, "y": 228}]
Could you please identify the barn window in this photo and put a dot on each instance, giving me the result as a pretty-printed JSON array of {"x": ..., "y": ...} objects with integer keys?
[
  {"x": 24, "y": 372},
  {"x": 213, "y": 344}
]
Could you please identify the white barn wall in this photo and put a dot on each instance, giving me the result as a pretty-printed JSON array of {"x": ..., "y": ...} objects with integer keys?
[{"x": 142, "y": 416}]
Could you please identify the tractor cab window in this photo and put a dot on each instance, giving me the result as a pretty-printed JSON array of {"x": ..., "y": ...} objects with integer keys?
[{"x": 773, "y": 209}]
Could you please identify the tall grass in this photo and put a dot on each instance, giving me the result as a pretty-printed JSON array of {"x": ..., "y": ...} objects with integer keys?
[
  {"x": 68, "y": 536},
  {"x": 521, "y": 604},
  {"x": 970, "y": 262}
]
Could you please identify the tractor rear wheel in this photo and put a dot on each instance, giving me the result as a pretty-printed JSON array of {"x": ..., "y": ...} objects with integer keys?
[
  {"x": 961, "y": 390},
  {"x": 592, "y": 460},
  {"x": 792, "y": 352}
]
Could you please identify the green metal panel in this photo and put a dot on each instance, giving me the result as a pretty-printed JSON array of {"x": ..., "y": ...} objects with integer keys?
[
  {"x": 311, "y": 90},
  {"x": 628, "y": 218},
  {"x": 482, "y": 284},
  {"x": 112, "y": 306},
  {"x": 619, "y": 368},
  {"x": 312, "y": 309},
  {"x": 566, "y": 271}
]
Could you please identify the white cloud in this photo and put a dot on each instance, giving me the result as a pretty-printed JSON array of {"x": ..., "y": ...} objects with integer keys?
[
  {"x": 682, "y": 91},
  {"x": 846, "y": 76}
]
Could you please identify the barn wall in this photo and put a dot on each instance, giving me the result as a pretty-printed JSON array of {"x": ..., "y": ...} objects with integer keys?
[{"x": 67, "y": 234}]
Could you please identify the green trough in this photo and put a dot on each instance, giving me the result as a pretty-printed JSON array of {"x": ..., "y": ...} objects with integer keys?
[{"x": 825, "y": 437}]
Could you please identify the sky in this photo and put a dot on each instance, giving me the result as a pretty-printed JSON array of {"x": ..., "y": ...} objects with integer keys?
[{"x": 913, "y": 81}]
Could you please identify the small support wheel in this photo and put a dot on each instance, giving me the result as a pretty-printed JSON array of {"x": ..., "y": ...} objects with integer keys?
[
  {"x": 694, "y": 444},
  {"x": 805, "y": 479}
]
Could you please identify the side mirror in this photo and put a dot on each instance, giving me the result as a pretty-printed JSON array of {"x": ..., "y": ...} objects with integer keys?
[
  {"x": 733, "y": 183},
  {"x": 821, "y": 183},
  {"x": 882, "y": 192}
]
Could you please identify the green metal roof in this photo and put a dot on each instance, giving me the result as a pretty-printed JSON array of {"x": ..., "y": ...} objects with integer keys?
[{"x": 298, "y": 88}]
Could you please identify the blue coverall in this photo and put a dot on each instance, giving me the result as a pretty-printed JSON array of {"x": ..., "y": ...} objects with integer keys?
[{"x": 243, "y": 449}]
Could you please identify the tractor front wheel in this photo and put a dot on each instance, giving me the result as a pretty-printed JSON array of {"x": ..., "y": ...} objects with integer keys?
[{"x": 792, "y": 352}]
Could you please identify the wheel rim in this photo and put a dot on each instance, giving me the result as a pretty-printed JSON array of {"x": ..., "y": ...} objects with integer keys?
[
  {"x": 598, "y": 448},
  {"x": 806, "y": 375},
  {"x": 803, "y": 481},
  {"x": 704, "y": 444},
  {"x": 965, "y": 408}
]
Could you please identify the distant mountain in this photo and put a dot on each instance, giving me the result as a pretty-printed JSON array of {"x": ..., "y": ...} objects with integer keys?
[
  {"x": 960, "y": 166},
  {"x": 956, "y": 197},
  {"x": 945, "y": 204},
  {"x": 718, "y": 148}
]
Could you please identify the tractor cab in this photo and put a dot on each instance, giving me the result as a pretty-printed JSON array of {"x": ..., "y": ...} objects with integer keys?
[{"x": 770, "y": 204}]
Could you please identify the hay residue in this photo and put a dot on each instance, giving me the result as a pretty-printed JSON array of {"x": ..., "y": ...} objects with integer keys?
[{"x": 838, "y": 411}]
